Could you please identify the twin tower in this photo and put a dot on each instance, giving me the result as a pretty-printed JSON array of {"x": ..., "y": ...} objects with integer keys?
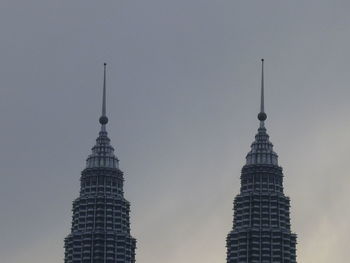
[{"x": 261, "y": 232}]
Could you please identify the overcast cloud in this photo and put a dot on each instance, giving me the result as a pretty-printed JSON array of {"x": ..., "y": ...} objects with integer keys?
[{"x": 183, "y": 93}]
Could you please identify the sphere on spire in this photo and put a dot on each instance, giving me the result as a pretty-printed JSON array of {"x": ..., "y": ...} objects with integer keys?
[
  {"x": 103, "y": 120},
  {"x": 262, "y": 116}
]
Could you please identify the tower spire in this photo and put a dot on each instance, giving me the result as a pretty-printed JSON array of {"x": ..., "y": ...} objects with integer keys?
[
  {"x": 262, "y": 115},
  {"x": 265, "y": 236},
  {"x": 102, "y": 182},
  {"x": 103, "y": 118}
]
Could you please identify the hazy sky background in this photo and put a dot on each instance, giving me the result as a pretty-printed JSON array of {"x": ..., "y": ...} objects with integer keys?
[{"x": 183, "y": 93}]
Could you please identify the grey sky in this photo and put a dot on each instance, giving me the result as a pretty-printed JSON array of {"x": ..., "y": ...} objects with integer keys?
[{"x": 183, "y": 93}]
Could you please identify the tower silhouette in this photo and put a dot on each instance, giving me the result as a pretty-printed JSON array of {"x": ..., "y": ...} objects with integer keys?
[
  {"x": 100, "y": 231},
  {"x": 261, "y": 225}
]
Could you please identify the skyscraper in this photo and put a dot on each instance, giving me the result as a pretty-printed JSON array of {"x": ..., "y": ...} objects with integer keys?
[
  {"x": 100, "y": 231},
  {"x": 261, "y": 224}
]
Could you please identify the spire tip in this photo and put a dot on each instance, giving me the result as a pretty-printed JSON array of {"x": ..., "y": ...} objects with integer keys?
[
  {"x": 103, "y": 119},
  {"x": 262, "y": 115}
]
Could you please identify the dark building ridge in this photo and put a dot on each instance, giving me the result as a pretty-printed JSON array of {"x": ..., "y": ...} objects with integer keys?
[
  {"x": 261, "y": 225},
  {"x": 100, "y": 231}
]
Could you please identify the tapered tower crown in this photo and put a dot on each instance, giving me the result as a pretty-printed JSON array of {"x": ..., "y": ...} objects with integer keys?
[
  {"x": 100, "y": 230},
  {"x": 103, "y": 153},
  {"x": 261, "y": 225},
  {"x": 262, "y": 149}
]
